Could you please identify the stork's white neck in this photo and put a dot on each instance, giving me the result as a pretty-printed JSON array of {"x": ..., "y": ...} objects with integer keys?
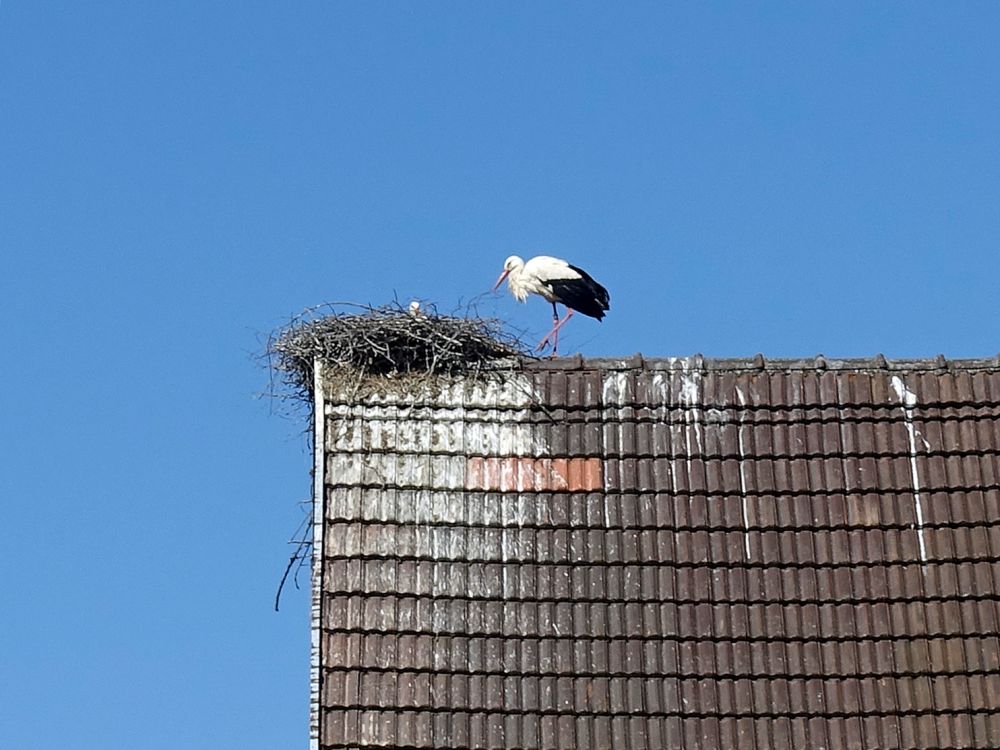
[
  {"x": 518, "y": 283},
  {"x": 531, "y": 277}
]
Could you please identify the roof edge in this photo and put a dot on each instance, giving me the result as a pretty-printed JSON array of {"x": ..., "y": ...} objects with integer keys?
[{"x": 759, "y": 362}]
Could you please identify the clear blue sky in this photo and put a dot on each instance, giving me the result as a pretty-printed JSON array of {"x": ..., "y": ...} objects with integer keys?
[{"x": 177, "y": 178}]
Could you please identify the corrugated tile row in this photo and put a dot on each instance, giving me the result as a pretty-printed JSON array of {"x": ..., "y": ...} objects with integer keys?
[
  {"x": 678, "y": 658},
  {"x": 735, "y": 435},
  {"x": 874, "y": 508},
  {"x": 562, "y": 547},
  {"x": 691, "y": 620},
  {"x": 517, "y": 694},
  {"x": 658, "y": 555}
]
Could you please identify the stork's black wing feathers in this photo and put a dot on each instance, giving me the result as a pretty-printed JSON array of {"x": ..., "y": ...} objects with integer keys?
[{"x": 583, "y": 294}]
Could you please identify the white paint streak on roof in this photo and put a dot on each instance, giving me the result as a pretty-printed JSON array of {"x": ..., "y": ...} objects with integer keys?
[
  {"x": 743, "y": 476},
  {"x": 908, "y": 399}
]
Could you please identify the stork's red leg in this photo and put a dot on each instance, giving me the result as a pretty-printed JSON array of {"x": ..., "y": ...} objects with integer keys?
[
  {"x": 555, "y": 325},
  {"x": 554, "y": 333}
]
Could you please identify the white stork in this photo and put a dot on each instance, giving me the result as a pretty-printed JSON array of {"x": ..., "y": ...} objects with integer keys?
[{"x": 557, "y": 281}]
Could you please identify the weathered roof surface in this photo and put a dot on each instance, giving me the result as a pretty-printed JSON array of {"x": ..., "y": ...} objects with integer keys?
[{"x": 665, "y": 554}]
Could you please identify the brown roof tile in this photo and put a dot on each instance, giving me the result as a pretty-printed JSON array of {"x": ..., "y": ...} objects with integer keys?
[{"x": 665, "y": 553}]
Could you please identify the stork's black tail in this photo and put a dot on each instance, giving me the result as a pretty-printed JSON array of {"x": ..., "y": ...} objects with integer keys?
[{"x": 583, "y": 294}]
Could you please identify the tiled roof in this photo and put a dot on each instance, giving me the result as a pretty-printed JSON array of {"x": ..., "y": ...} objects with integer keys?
[{"x": 678, "y": 553}]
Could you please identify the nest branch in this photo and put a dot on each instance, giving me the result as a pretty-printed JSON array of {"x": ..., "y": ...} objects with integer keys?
[{"x": 361, "y": 346}]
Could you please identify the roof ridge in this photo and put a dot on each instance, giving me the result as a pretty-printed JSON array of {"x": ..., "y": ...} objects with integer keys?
[{"x": 760, "y": 362}]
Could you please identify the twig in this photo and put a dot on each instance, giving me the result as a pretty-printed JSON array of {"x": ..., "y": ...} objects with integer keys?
[{"x": 301, "y": 539}]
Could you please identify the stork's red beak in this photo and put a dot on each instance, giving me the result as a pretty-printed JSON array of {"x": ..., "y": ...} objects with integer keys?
[{"x": 500, "y": 280}]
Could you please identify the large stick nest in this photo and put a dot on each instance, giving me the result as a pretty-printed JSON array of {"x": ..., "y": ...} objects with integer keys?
[{"x": 372, "y": 347}]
